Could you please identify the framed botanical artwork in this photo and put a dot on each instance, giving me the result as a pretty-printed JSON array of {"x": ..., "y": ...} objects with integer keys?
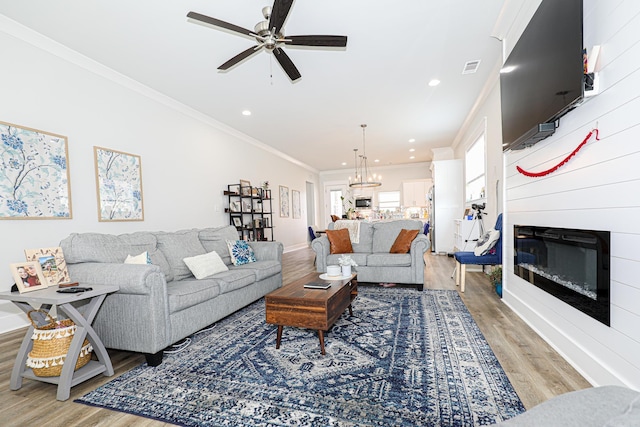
[
  {"x": 34, "y": 181},
  {"x": 246, "y": 206},
  {"x": 52, "y": 263},
  {"x": 234, "y": 206},
  {"x": 119, "y": 185},
  {"x": 245, "y": 187},
  {"x": 28, "y": 276},
  {"x": 284, "y": 202},
  {"x": 295, "y": 204}
]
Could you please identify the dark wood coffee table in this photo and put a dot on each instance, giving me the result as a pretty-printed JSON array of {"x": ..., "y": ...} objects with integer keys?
[{"x": 295, "y": 305}]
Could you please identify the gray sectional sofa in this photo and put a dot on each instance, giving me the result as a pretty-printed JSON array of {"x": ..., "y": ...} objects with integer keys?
[
  {"x": 161, "y": 303},
  {"x": 371, "y": 253}
]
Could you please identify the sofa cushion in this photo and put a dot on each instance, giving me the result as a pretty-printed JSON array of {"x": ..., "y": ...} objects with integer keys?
[
  {"x": 262, "y": 269},
  {"x": 235, "y": 278},
  {"x": 240, "y": 252},
  {"x": 385, "y": 233},
  {"x": 205, "y": 265},
  {"x": 177, "y": 246},
  {"x": 190, "y": 292},
  {"x": 389, "y": 260},
  {"x": 339, "y": 241},
  {"x": 402, "y": 244},
  {"x": 359, "y": 258},
  {"x": 215, "y": 239}
]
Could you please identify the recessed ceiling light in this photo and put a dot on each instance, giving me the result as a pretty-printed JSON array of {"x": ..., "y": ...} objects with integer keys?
[
  {"x": 246, "y": 113},
  {"x": 412, "y": 140},
  {"x": 412, "y": 157},
  {"x": 434, "y": 82},
  {"x": 411, "y": 150},
  {"x": 344, "y": 163},
  {"x": 376, "y": 161}
]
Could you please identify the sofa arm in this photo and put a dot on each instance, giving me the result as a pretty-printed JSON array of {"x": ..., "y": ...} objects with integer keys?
[
  {"x": 267, "y": 250},
  {"x": 130, "y": 278},
  {"x": 322, "y": 247}
]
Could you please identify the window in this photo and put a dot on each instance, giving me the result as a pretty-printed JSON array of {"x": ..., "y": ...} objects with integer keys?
[
  {"x": 336, "y": 202},
  {"x": 474, "y": 170},
  {"x": 389, "y": 200}
]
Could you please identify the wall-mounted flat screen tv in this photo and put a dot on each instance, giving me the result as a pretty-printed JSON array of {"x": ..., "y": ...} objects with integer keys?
[{"x": 546, "y": 74}]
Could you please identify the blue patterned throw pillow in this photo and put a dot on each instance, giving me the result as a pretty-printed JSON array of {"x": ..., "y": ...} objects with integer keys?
[{"x": 240, "y": 252}]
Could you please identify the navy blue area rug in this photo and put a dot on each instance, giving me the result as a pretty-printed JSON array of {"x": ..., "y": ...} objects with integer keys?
[{"x": 405, "y": 358}]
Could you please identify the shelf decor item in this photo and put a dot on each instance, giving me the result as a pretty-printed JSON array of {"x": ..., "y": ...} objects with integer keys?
[
  {"x": 51, "y": 260},
  {"x": 51, "y": 344},
  {"x": 119, "y": 185},
  {"x": 245, "y": 187},
  {"x": 35, "y": 180}
]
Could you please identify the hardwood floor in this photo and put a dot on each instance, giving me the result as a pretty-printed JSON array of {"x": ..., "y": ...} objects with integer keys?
[{"x": 536, "y": 371}]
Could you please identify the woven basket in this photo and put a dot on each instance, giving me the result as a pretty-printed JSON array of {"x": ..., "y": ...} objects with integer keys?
[{"x": 51, "y": 344}]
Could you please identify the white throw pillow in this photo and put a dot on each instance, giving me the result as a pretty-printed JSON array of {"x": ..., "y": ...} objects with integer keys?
[
  {"x": 205, "y": 265},
  {"x": 143, "y": 258},
  {"x": 486, "y": 242}
]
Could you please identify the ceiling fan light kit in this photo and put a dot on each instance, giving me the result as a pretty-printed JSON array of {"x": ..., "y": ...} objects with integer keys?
[
  {"x": 362, "y": 177},
  {"x": 269, "y": 36}
]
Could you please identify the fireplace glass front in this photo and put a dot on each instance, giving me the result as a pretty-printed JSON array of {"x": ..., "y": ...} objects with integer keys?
[{"x": 570, "y": 264}]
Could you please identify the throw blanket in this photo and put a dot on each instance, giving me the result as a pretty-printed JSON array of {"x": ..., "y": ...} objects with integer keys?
[{"x": 352, "y": 226}]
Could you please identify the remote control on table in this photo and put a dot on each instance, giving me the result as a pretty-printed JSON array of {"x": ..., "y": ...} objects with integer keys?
[{"x": 73, "y": 290}]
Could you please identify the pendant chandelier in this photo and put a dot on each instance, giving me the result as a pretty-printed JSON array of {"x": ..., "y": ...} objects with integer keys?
[{"x": 362, "y": 177}]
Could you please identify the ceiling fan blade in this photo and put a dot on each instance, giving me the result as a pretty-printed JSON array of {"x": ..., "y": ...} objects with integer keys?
[
  {"x": 239, "y": 57},
  {"x": 286, "y": 64},
  {"x": 332, "y": 41},
  {"x": 279, "y": 13},
  {"x": 218, "y": 23}
]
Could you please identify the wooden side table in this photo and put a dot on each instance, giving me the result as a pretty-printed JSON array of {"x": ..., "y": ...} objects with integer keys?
[{"x": 82, "y": 308}]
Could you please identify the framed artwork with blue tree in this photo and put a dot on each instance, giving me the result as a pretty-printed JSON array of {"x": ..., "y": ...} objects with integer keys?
[
  {"x": 34, "y": 177},
  {"x": 119, "y": 185}
]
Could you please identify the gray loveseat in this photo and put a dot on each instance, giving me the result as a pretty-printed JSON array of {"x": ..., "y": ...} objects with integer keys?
[
  {"x": 161, "y": 303},
  {"x": 371, "y": 253}
]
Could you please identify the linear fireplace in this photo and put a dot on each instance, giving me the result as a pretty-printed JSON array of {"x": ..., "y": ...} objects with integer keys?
[{"x": 572, "y": 265}]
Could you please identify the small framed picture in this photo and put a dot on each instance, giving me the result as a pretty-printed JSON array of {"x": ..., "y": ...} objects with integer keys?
[
  {"x": 54, "y": 267},
  {"x": 245, "y": 187},
  {"x": 246, "y": 206},
  {"x": 28, "y": 276},
  {"x": 234, "y": 206},
  {"x": 237, "y": 222}
]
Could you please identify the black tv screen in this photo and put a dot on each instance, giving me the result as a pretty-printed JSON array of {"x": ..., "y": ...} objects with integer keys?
[{"x": 546, "y": 80}]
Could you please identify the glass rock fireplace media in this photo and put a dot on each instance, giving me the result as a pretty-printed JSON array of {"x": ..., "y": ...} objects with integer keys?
[{"x": 572, "y": 265}]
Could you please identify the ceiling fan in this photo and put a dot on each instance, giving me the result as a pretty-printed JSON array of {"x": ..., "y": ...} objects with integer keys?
[{"x": 269, "y": 36}]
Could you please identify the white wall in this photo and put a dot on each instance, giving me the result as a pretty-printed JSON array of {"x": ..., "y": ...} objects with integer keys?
[
  {"x": 187, "y": 159},
  {"x": 597, "y": 189}
]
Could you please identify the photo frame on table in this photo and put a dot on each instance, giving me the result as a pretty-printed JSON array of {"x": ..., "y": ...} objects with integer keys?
[
  {"x": 295, "y": 204},
  {"x": 119, "y": 185},
  {"x": 35, "y": 181},
  {"x": 52, "y": 263},
  {"x": 284, "y": 202},
  {"x": 234, "y": 206},
  {"x": 237, "y": 222},
  {"x": 245, "y": 187},
  {"x": 28, "y": 276}
]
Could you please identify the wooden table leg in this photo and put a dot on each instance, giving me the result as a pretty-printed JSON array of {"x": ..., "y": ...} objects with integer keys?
[
  {"x": 350, "y": 311},
  {"x": 279, "y": 337},
  {"x": 321, "y": 336}
]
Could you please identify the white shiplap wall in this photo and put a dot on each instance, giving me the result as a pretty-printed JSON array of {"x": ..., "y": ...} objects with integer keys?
[{"x": 597, "y": 189}]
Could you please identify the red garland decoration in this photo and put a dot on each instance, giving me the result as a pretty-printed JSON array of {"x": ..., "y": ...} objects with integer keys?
[{"x": 556, "y": 167}]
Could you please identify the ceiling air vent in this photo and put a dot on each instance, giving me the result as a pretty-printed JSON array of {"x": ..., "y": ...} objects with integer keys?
[{"x": 471, "y": 67}]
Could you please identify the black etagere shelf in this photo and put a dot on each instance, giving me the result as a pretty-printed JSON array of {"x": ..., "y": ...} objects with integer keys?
[{"x": 250, "y": 211}]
